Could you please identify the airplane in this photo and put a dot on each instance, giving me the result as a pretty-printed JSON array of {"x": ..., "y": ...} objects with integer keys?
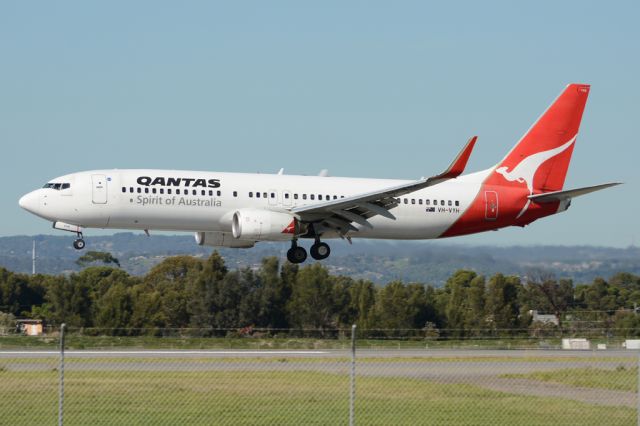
[{"x": 240, "y": 209}]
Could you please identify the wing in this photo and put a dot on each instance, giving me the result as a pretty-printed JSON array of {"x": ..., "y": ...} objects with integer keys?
[{"x": 338, "y": 215}]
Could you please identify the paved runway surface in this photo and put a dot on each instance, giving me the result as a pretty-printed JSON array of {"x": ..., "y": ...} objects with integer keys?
[{"x": 361, "y": 353}]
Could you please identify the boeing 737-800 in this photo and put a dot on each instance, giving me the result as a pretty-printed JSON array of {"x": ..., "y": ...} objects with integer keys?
[{"x": 238, "y": 210}]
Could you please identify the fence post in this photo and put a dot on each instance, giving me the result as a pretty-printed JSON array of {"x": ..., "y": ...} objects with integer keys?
[
  {"x": 61, "y": 381},
  {"x": 352, "y": 393}
]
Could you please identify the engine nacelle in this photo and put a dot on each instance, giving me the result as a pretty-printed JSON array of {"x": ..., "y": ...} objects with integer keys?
[
  {"x": 266, "y": 225},
  {"x": 221, "y": 239}
]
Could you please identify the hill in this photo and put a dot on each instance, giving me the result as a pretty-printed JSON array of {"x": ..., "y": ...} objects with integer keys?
[{"x": 380, "y": 261}]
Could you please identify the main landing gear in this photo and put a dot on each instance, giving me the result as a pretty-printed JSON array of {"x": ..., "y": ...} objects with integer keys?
[
  {"x": 297, "y": 254},
  {"x": 79, "y": 243},
  {"x": 320, "y": 250}
]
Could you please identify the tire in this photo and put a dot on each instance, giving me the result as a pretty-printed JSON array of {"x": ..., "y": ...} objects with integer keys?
[
  {"x": 78, "y": 244},
  {"x": 296, "y": 254},
  {"x": 320, "y": 251}
]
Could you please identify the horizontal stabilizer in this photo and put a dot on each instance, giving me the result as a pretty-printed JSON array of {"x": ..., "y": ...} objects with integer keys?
[{"x": 550, "y": 197}]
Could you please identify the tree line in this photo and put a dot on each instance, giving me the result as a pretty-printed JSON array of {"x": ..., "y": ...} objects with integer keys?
[{"x": 184, "y": 292}]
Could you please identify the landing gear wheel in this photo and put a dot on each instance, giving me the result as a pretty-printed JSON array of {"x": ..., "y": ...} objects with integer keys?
[
  {"x": 320, "y": 251},
  {"x": 296, "y": 254},
  {"x": 78, "y": 244}
]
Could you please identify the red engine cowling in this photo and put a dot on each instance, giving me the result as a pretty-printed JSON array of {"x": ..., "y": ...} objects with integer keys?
[{"x": 264, "y": 225}]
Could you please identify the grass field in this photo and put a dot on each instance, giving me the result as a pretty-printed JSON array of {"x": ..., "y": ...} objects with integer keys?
[
  {"x": 361, "y": 360},
  {"x": 269, "y": 397},
  {"x": 621, "y": 378},
  {"x": 78, "y": 341}
]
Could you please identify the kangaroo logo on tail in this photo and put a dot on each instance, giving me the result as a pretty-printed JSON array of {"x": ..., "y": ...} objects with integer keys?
[{"x": 527, "y": 168}]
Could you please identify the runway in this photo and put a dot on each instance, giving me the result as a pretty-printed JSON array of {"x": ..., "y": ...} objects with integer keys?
[{"x": 329, "y": 353}]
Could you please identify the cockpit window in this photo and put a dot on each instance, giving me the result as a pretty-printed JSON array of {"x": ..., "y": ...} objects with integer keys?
[{"x": 57, "y": 186}]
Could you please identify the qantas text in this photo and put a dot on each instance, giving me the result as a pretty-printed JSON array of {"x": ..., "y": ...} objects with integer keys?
[{"x": 171, "y": 181}]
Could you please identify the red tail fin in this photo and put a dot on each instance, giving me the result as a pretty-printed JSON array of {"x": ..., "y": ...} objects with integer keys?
[{"x": 541, "y": 158}]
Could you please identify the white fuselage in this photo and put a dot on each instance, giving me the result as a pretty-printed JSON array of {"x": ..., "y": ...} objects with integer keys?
[{"x": 149, "y": 200}]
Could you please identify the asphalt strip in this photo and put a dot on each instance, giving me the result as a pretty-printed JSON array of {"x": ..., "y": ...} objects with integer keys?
[{"x": 177, "y": 352}]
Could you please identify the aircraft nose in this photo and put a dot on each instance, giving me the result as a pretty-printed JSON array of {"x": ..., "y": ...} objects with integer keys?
[{"x": 29, "y": 202}]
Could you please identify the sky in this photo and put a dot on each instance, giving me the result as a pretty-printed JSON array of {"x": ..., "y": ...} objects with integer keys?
[{"x": 363, "y": 89}]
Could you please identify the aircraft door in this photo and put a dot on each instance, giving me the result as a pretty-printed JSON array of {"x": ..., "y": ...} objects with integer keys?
[
  {"x": 491, "y": 205},
  {"x": 99, "y": 189}
]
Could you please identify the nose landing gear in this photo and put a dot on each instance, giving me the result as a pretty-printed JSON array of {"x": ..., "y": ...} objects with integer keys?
[{"x": 79, "y": 243}]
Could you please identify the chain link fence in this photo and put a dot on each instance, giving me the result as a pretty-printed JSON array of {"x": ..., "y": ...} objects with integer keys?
[{"x": 165, "y": 377}]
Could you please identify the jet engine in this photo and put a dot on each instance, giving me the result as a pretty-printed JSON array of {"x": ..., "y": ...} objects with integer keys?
[
  {"x": 221, "y": 239},
  {"x": 266, "y": 225}
]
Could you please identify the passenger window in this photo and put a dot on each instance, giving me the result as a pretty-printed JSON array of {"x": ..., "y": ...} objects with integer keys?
[
  {"x": 342, "y": 196},
  {"x": 124, "y": 189},
  {"x": 319, "y": 196},
  {"x": 406, "y": 201},
  {"x": 219, "y": 193},
  {"x": 235, "y": 193},
  {"x": 194, "y": 192},
  {"x": 435, "y": 202},
  {"x": 139, "y": 190},
  {"x": 327, "y": 197},
  {"x": 146, "y": 190},
  {"x": 203, "y": 192},
  {"x": 153, "y": 190},
  {"x": 169, "y": 191},
  {"x": 449, "y": 202},
  {"x": 442, "y": 202},
  {"x": 295, "y": 196},
  {"x": 335, "y": 197},
  {"x": 457, "y": 203},
  {"x": 251, "y": 195},
  {"x": 312, "y": 196},
  {"x": 420, "y": 201},
  {"x": 427, "y": 202},
  {"x": 131, "y": 189},
  {"x": 304, "y": 196},
  {"x": 413, "y": 201},
  {"x": 286, "y": 195},
  {"x": 177, "y": 191},
  {"x": 273, "y": 195},
  {"x": 162, "y": 190},
  {"x": 257, "y": 195}
]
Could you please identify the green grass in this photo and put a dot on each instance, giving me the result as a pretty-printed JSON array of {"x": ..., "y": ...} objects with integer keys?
[
  {"x": 76, "y": 341},
  {"x": 283, "y": 398},
  {"x": 625, "y": 379}
]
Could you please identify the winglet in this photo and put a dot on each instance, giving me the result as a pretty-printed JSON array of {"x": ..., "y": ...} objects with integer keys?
[{"x": 459, "y": 163}]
